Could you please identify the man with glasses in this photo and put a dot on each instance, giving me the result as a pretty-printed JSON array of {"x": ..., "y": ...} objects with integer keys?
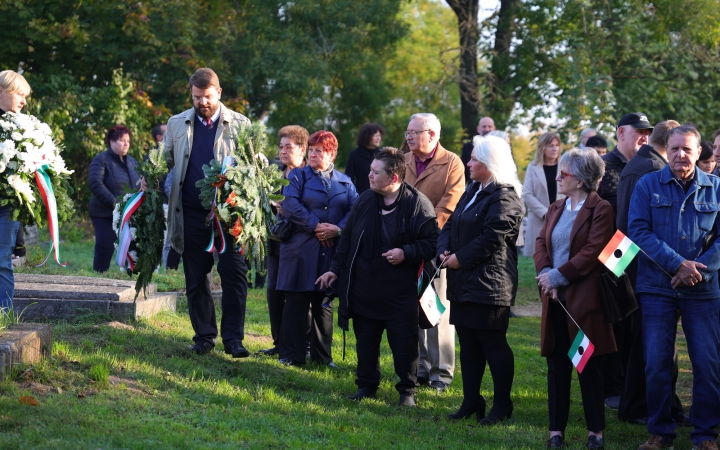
[{"x": 439, "y": 175}]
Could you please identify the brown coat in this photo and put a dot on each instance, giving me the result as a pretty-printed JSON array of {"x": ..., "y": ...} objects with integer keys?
[
  {"x": 591, "y": 231},
  {"x": 443, "y": 182}
]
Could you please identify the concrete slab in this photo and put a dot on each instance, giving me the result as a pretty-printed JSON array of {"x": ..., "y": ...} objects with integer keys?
[
  {"x": 63, "y": 308},
  {"x": 56, "y": 286},
  {"x": 25, "y": 343}
]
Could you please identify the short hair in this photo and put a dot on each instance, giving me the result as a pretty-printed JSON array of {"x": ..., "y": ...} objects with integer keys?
[
  {"x": 684, "y": 130},
  {"x": 326, "y": 140},
  {"x": 706, "y": 150},
  {"x": 393, "y": 160},
  {"x": 585, "y": 132},
  {"x": 298, "y": 134},
  {"x": 544, "y": 141},
  {"x": 657, "y": 137},
  {"x": 495, "y": 153},
  {"x": 585, "y": 165},
  {"x": 205, "y": 78},
  {"x": 430, "y": 121},
  {"x": 715, "y": 134},
  {"x": 597, "y": 141},
  {"x": 367, "y": 132},
  {"x": 157, "y": 129},
  {"x": 115, "y": 133},
  {"x": 13, "y": 82}
]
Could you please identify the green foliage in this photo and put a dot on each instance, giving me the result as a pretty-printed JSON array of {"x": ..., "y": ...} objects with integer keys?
[
  {"x": 100, "y": 373},
  {"x": 240, "y": 196}
]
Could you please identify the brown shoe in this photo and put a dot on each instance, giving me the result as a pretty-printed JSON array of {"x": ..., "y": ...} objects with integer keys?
[
  {"x": 657, "y": 442},
  {"x": 706, "y": 445}
]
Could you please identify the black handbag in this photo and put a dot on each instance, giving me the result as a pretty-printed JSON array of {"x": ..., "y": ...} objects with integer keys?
[
  {"x": 281, "y": 230},
  {"x": 617, "y": 296}
]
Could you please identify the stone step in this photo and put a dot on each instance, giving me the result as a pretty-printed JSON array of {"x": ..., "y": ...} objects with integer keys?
[
  {"x": 65, "y": 308},
  {"x": 76, "y": 288},
  {"x": 24, "y": 343}
]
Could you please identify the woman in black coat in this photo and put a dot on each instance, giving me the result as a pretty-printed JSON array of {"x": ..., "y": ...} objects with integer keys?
[
  {"x": 110, "y": 172},
  {"x": 391, "y": 229},
  {"x": 477, "y": 245}
]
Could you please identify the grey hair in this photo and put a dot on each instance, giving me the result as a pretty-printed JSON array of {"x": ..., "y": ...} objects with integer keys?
[
  {"x": 430, "y": 121},
  {"x": 686, "y": 130},
  {"x": 585, "y": 165},
  {"x": 495, "y": 153},
  {"x": 501, "y": 134},
  {"x": 586, "y": 131}
]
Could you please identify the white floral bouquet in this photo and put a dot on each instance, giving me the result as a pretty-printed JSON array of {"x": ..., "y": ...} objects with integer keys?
[{"x": 33, "y": 176}]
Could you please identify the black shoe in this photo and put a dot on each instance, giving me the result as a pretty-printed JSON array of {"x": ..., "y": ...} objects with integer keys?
[
  {"x": 362, "y": 393},
  {"x": 495, "y": 417},
  {"x": 682, "y": 420},
  {"x": 613, "y": 402},
  {"x": 237, "y": 350},
  {"x": 422, "y": 381},
  {"x": 201, "y": 347},
  {"x": 466, "y": 411},
  {"x": 595, "y": 442},
  {"x": 407, "y": 400},
  {"x": 439, "y": 386},
  {"x": 555, "y": 442},
  {"x": 638, "y": 421},
  {"x": 269, "y": 351},
  {"x": 289, "y": 362},
  {"x": 332, "y": 365}
]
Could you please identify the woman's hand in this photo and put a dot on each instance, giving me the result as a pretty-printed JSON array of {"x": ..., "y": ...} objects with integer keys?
[
  {"x": 394, "y": 256},
  {"x": 326, "y": 232},
  {"x": 142, "y": 183},
  {"x": 450, "y": 261},
  {"x": 326, "y": 280},
  {"x": 545, "y": 286}
]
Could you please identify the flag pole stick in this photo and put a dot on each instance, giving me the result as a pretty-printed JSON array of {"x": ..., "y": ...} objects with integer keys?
[
  {"x": 658, "y": 264},
  {"x": 571, "y": 317}
]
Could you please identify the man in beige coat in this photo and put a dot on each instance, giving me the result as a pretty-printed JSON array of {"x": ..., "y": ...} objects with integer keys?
[
  {"x": 438, "y": 174},
  {"x": 194, "y": 138}
]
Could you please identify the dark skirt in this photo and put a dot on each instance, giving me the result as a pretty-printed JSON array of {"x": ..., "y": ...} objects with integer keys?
[{"x": 478, "y": 316}]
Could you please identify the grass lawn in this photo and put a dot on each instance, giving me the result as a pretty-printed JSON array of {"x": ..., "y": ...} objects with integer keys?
[{"x": 133, "y": 386}]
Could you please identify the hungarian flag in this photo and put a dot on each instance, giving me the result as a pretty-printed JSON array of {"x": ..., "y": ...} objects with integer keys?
[
  {"x": 619, "y": 253},
  {"x": 580, "y": 351},
  {"x": 430, "y": 303}
]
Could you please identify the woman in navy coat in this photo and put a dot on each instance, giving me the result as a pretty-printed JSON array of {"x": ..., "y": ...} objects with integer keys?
[{"x": 317, "y": 201}]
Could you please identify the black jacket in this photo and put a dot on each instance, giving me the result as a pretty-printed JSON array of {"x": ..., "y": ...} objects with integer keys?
[
  {"x": 647, "y": 160},
  {"x": 418, "y": 241},
  {"x": 107, "y": 178},
  {"x": 483, "y": 240},
  {"x": 358, "y": 168},
  {"x": 465, "y": 156},
  {"x": 615, "y": 162}
]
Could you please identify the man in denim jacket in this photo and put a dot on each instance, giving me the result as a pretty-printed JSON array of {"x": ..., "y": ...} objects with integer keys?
[{"x": 673, "y": 213}]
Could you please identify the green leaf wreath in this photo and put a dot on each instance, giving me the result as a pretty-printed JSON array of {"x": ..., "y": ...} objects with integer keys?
[
  {"x": 244, "y": 192},
  {"x": 147, "y": 224}
]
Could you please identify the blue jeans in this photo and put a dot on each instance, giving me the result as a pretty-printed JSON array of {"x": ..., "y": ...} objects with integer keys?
[
  {"x": 701, "y": 324},
  {"x": 8, "y": 233}
]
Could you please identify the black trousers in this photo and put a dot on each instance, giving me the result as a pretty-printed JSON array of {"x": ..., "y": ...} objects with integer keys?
[
  {"x": 105, "y": 238},
  {"x": 615, "y": 363},
  {"x": 633, "y": 402},
  {"x": 275, "y": 298},
  {"x": 402, "y": 336},
  {"x": 173, "y": 260},
  {"x": 293, "y": 338},
  {"x": 560, "y": 369},
  {"x": 478, "y": 347},
  {"x": 198, "y": 264}
]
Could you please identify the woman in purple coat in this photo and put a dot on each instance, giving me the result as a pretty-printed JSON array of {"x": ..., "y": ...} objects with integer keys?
[{"x": 317, "y": 201}]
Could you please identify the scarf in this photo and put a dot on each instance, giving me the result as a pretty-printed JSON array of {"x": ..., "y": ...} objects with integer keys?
[
  {"x": 403, "y": 205},
  {"x": 324, "y": 176}
]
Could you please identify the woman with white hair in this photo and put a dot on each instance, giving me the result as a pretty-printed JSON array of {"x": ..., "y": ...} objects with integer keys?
[{"x": 477, "y": 245}]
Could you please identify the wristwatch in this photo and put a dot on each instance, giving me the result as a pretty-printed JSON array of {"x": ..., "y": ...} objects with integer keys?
[{"x": 339, "y": 231}]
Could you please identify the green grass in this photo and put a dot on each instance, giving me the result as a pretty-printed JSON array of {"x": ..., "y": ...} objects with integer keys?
[{"x": 136, "y": 387}]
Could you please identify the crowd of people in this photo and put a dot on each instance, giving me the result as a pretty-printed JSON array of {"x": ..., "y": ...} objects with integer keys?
[{"x": 363, "y": 237}]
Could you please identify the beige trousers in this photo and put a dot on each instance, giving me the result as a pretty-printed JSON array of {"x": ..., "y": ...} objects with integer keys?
[{"x": 437, "y": 345}]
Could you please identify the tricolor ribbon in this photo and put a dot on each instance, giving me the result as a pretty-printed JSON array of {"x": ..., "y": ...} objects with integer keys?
[
  {"x": 48, "y": 196},
  {"x": 214, "y": 220},
  {"x": 124, "y": 237}
]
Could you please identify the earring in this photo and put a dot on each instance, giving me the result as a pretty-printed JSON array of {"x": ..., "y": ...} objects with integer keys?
[{"x": 579, "y": 186}]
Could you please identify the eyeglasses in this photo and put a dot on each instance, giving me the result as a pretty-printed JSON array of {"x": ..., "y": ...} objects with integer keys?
[
  {"x": 564, "y": 175},
  {"x": 414, "y": 133},
  {"x": 287, "y": 148}
]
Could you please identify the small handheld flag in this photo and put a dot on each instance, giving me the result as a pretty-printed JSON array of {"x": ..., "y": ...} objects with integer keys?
[
  {"x": 430, "y": 303},
  {"x": 618, "y": 253},
  {"x": 580, "y": 351}
]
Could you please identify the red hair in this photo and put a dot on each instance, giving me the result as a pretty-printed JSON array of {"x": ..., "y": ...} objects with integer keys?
[{"x": 326, "y": 140}]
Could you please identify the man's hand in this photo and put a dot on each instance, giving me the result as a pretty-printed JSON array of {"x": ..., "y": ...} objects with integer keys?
[
  {"x": 687, "y": 274},
  {"x": 326, "y": 280},
  {"x": 394, "y": 256},
  {"x": 451, "y": 262}
]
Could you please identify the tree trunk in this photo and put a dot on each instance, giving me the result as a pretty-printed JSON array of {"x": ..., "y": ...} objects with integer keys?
[
  {"x": 467, "y": 13},
  {"x": 501, "y": 100}
]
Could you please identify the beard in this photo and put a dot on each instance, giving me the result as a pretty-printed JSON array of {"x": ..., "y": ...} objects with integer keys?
[{"x": 207, "y": 111}]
